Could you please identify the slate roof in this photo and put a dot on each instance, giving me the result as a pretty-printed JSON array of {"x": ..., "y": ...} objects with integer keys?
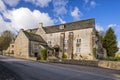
[
  {"x": 34, "y": 37},
  {"x": 83, "y": 24}
]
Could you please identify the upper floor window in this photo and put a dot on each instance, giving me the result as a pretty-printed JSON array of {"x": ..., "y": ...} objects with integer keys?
[
  {"x": 61, "y": 27},
  {"x": 71, "y": 33},
  {"x": 65, "y": 41},
  {"x": 35, "y": 46},
  {"x": 78, "y": 41},
  {"x": 49, "y": 42}
]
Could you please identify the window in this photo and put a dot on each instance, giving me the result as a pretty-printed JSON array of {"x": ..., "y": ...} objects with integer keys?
[
  {"x": 35, "y": 46},
  {"x": 65, "y": 50},
  {"x": 71, "y": 33},
  {"x": 51, "y": 34},
  {"x": 77, "y": 50},
  {"x": 49, "y": 42},
  {"x": 12, "y": 46},
  {"x": 65, "y": 41},
  {"x": 78, "y": 41},
  {"x": 20, "y": 53},
  {"x": 12, "y": 51},
  {"x": 61, "y": 27}
]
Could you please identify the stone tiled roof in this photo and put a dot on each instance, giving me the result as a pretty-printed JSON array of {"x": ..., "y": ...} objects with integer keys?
[
  {"x": 34, "y": 37},
  {"x": 83, "y": 24}
]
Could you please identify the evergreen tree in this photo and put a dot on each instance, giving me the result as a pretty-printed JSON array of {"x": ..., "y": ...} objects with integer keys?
[{"x": 110, "y": 43}]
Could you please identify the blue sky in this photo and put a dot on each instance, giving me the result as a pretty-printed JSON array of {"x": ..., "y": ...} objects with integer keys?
[{"x": 17, "y": 14}]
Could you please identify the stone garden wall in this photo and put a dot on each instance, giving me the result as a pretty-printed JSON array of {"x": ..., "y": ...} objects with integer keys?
[{"x": 104, "y": 64}]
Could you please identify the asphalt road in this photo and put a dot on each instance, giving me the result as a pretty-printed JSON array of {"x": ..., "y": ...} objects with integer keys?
[{"x": 31, "y": 70}]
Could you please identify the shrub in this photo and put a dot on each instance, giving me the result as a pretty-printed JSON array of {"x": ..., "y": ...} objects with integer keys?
[
  {"x": 117, "y": 58},
  {"x": 114, "y": 58},
  {"x": 43, "y": 55},
  {"x": 64, "y": 56},
  {"x": 111, "y": 58}
]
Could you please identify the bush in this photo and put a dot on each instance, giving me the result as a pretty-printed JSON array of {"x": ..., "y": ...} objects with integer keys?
[
  {"x": 117, "y": 58},
  {"x": 111, "y": 58},
  {"x": 114, "y": 58},
  {"x": 43, "y": 55},
  {"x": 64, "y": 56}
]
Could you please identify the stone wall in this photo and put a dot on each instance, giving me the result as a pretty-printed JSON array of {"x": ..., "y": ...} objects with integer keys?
[
  {"x": 86, "y": 45},
  {"x": 33, "y": 48},
  {"x": 103, "y": 64},
  {"x": 76, "y": 62},
  {"x": 109, "y": 64},
  {"x": 21, "y": 46}
]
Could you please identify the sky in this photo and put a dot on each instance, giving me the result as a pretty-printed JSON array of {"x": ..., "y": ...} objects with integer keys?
[{"x": 26, "y": 14}]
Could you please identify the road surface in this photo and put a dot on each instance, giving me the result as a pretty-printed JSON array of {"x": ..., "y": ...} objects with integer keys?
[{"x": 31, "y": 70}]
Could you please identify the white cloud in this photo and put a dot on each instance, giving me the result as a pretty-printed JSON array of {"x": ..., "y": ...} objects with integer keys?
[
  {"x": 93, "y": 4},
  {"x": 4, "y": 25},
  {"x": 76, "y": 13},
  {"x": 21, "y": 17},
  {"x": 86, "y": 1},
  {"x": 88, "y": 4},
  {"x": 2, "y": 6},
  {"x": 99, "y": 28},
  {"x": 60, "y": 6},
  {"x": 41, "y": 3},
  {"x": 61, "y": 20},
  {"x": 11, "y": 2},
  {"x": 112, "y": 25},
  {"x": 24, "y": 18}
]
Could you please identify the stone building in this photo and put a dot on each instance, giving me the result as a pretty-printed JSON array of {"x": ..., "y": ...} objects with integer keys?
[
  {"x": 10, "y": 49},
  {"x": 28, "y": 44},
  {"x": 75, "y": 39}
]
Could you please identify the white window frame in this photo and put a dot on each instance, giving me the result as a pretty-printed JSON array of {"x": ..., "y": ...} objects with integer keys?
[
  {"x": 49, "y": 42},
  {"x": 78, "y": 41},
  {"x": 36, "y": 46},
  {"x": 78, "y": 50},
  {"x": 65, "y": 41}
]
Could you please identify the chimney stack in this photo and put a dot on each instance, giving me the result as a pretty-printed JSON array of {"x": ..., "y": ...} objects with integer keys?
[
  {"x": 21, "y": 29},
  {"x": 40, "y": 25}
]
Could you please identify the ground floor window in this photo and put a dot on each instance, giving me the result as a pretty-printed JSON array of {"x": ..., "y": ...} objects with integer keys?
[{"x": 78, "y": 50}]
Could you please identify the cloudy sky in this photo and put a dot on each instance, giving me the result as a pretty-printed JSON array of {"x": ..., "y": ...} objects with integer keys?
[{"x": 17, "y": 14}]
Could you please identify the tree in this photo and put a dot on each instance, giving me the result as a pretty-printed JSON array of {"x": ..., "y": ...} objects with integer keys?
[
  {"x": 5, "y": 39},
  {"x": 110, "y": 43},
  {"x": 100, "y": 35}
]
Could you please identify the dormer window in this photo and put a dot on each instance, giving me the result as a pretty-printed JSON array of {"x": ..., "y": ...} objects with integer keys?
[{"x": 61, "y": 27}]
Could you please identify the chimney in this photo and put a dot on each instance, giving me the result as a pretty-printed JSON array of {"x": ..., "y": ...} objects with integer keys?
[
  {"x": 29, "y": 30},
  {"x": 40, "y": 25},
  {"x": 21, "y": 29}
]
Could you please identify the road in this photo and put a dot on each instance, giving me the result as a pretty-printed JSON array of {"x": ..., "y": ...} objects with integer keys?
[{"x": 31, "y": 70}]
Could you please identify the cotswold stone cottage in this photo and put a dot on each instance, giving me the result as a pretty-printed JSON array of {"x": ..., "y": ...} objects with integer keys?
[{"x": 75, "y": 39}]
